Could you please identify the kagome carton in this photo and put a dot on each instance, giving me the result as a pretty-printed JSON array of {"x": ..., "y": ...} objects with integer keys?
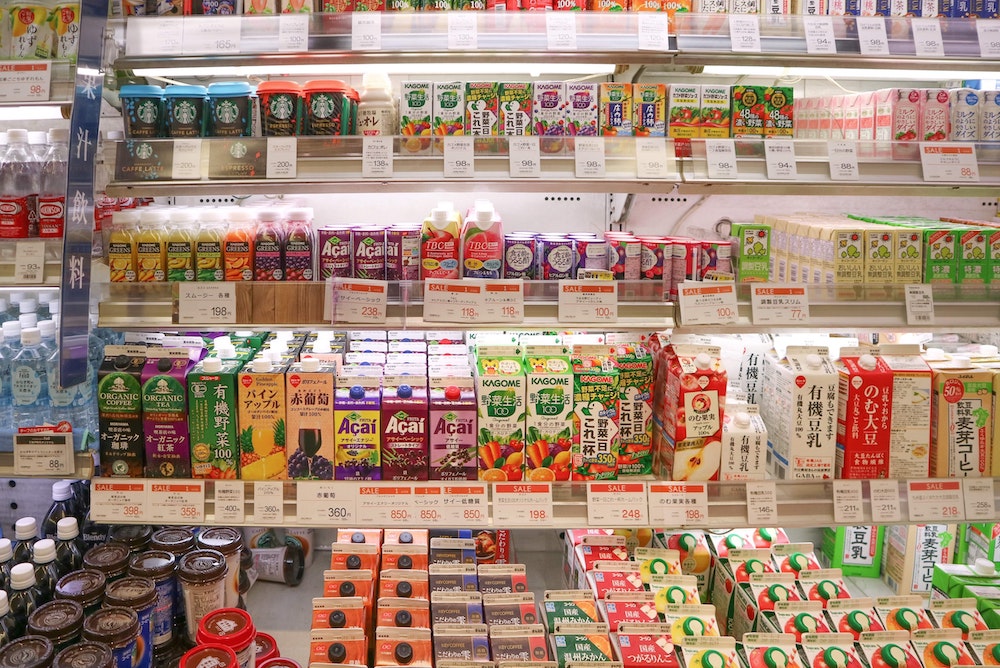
[
  {"x": 716, "y": 107},
  {"x": 854, "y": 615},
  {"x": 635, "y": 418},
  {"x": 549, "y": 108},
  {"x": 516, "y": 100},
  {"x": 695, "y": 396},
  {"x": 649, "y": 109},
  {"x": 548, "y": 423},
  {"x": 615, "y": 109},
  {"x": 645, "y": 645},
  {"x": 482, "y": 112},
  {"x": 582, "y": 117},
  {"x": 500, "y": 385},
  {"x": 596, "y": 400},
  {"x": 864, "y": 414}
]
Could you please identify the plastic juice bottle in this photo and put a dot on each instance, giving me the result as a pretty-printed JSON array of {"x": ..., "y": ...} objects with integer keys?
[
  {"x": 237, "y": 246},
  {"x": 180, "y": 245},
  {"x": 208, "y": 246},
  {"x": 269, "y": 246},
  {"x": 482, "y": 243},
  {"x": 439, "y": 245},
  {"x": 121, "y": 246},
  {"x": 150, "y": 246}
]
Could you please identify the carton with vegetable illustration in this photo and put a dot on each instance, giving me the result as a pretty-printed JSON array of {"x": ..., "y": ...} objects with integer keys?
[
  {"x": 595, "y": 414},
  {"x": 500, "y": 384},
  {"x": 550, "y": 407}
]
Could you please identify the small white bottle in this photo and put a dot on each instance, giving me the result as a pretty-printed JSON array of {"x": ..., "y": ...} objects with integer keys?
[{"x": 376, "y": 108}]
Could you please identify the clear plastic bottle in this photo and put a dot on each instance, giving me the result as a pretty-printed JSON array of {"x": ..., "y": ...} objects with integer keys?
[
  {"x": 75, "y": 403},
  {"x": 376, "y": 108},
  {"x": 6, "y": 562},
  {"x": 62, "y": 506},
  {"x": 47, "y": 329},
  {"x": 69, "y": 556},
  {"x": 44, "y": 300},
  {"x": 29, "y": 381},
  {"x": 52, "y": 185},
  {"x": 4, "y": 315},
  {"x": 13, "y": 308},
  {"x": 19, "y": 185},
  {"x": 37, "y": 144},
  {"x": 180, "y": 244},
  {"x": 23, "y": 598},
  {"x": 11, "y": 339},
  {"x": 208, "y": 245},
  {"x": 25, "y": 536}
]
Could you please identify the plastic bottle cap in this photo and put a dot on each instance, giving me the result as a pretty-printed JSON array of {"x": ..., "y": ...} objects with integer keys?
[
  {"x": 6, "y": 550},
  {"x": 61, "y": 490},
  {"x": 150, "y": 216},
  {"x": 452, "y": 393},
  {"x": 225, "y": 352},
  {"x": 310, "y": 364},
  {"x": 321, "y": 346},
  {"x": 4, "y": 606},
  {"x": 960, "y": 361},
  {"x": 54, "y": 308},
  {"x": 982, "y": 566},
  {"x": 22, "y": 576},
  {"x": 338, "y": 619},
  {"x": 47, "y": 328},
  {"x": 484, "y": 215},
  {"x": 353, "y": 562},
  {"x": 357, "y": 392},
  {"x": 261, "y": 365},
  {"x": 742, "y": 419},
  {"x": 28, "y": 320},
  {"x": 404, "y": 391},
  {"x": 357, "y": 537},
  {"x": 211, "y": 365},
  {"x": 11, "y": 328},
  {"x": 376, "y": 79},
  {"x": 867, "y": 362},
  {"x": 67, "y": 528},
  {"x": 28, "y": 306},
  {"x": 814, "y": 361},
  {"x": 25, "y": 528},
  {"x": 37, "y": 137},
  {"x": 270, "y": 216},
  {"x": 17, "y": 135},
  {"x": 405, "y": 538},
  {"x": 934, "y": 354},
  {"x": 44, "y": 551},
  {"x": 439, "y": 216},
  {"x": 702, "y": 361},
  {"x": 988, "y": 350},
  {"x": 58, "y": 136}
]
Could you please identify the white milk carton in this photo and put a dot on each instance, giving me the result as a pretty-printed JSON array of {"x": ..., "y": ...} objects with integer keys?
[{"x": 744, "y": 445}]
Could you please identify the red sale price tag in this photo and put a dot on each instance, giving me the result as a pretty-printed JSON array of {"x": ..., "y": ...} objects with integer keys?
[
  {"x": 389, "y": 505},
  {"x": 616, "y": 504},
  {"x": 935, "y": 500},
  {"x": 112, "y": 501},
  {"x": 177, "y": 502},
  {"x": 678, "y": 504},
  {"x": 522, "y": 504}
]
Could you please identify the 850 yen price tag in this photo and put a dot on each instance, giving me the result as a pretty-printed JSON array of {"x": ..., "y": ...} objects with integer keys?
[
  {"x": 843, "y": 161},
  {"x": 616, "y": 504},
  {"x": 721, "y": 157},
  {"x": 819, "y": 35},
  {"x": 762, "y": 504},
  {"x": 980, "y": 503},
  {"x": 885, "y": 501},
  {"x": 744, "y": 33},
  {"x": 678, "y": 504},
  {"x": 177, "y": 502},
  {"x": 376, "y": 154},
  {"x": 325, "y": 502},
  {"x": 589, "y": 157},
  {"x": 848, "y": 504},
  {"x": 459, "y": 156},
  {"x": 229, "y": 502},
  {"x": 524, "y": 152},
  {"x": 29, "y": 261},
  {"x": 43, "y": 453},
  {"x": 707, "y": 303},
  {"x": 366, "y": 31},
  {"x": 464, "y": 504},
  {"x": 779, "y": 304},
  {"x": 268, "y": 503},
  {"x": 588, "y": 301},
  {"x": 357, "y": 301},
  {"x": 872, "y": 39},
  {"x": 522, "y": 504},
  {"x": 112, "y": 500},
  {"x": 206, "y": 303},
  {"x": 386, "y": 505},
  {"x": 935, "y": 500}
]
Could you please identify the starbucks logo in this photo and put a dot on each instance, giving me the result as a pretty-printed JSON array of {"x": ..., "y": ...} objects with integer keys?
[
  {"x": 227, "y": 112},
  {"x": 146, "y": 112},
  {"x": 281, "y": 107},
  {"x": 144, "y": 151},
  {"x": 322, "y": 106},
  {"x": 238, "y": 150},
  {"x": 184, "y": 112}
]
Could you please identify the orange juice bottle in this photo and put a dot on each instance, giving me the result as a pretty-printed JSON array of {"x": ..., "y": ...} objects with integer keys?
[
  {"x": 237, "y": 246},
  {"x": 150, "y": 245},
  {"x": 121, "y": 246}
]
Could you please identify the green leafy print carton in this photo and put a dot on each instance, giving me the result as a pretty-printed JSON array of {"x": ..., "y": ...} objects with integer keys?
[
  {"x": 550, "y": 413},
  {"x": 212, "y": 427},
  {"x": 635, "y": 415},
  {"x": 751, "y": 251},
  {"x": 595, "y": 415},
  {"x": 500, "y": 384}
]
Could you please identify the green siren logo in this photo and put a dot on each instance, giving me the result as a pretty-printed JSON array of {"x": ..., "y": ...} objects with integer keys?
[
  {"x": 281, "y": 107},
  {"x": 227, "y": 111},
  {"x": 322, "y": 106}
]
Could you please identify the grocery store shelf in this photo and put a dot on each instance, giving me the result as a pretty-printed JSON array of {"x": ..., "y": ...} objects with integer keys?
[
  {"x": 49, "y": 271},
  {"x": 62, "y": 75},
  {"x": 83, "y": 458}
]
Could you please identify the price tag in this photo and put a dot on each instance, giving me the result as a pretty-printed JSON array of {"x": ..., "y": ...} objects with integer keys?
[
  {"x": 848, "y": 503},
  {"x": 560, "y": 31},
  {"x": 949, "y": 162},
  {"x": 176, "y": 502},
  {"x": 589, "y": 157},
  {"x": 25, "y": 81},
  {"x": 927, "y": 40},
  {"x": 462, "y": 31},
  {"x": 872, "y": 39},
  {"x": 980, "y": 504},
  {"x": 229, "y": 502},
  {"x": 989, "y": 38},
  {"x": 452, "y": 505},
  {"x": 707, "y": 303},
  {"x": 211, "y": 35},
  {"x": 780, "y": 157},
  {"x": 617, "y": 504},
  {"x": 282, "y": 158},
  {"x": 376, "y": 152},
  {"x": 325, "y": 503},
  {"x": 820, "y": 39},
  {"x": 206, "y": 303},
  {"x": 29, "y": 262},
  {"x": 524, "y": 153},
  {"x": 186, "y": 164},
  {"x": 843, "y": 161},
  {"x": 653, "y": 29},
  {"x": 470, "y": 301},
  {"x": 113, "y": 500},
  {"x": 366, "y": 31},
  {"x": 459, "y": 155},
  {"x": 885, "y": 501},
  {"x": 503, "y": 301},
  {"x": 43, "y": 453},
  {"x": 721, "y": 156},
  {"x": 161, "y": 37},
  {"x": 762, "y": 504},
  {"x": 744, "y": 33},
  {"x": 935, "y": 500},
  {"x": 779, "y": 304},
  {"x": 678, "y": 504},
  {"x": 919, "y": 304},
  {"x": 386, "y": 505},
  {"x": 293, "y": 33},
  {"x": 523, "y": 504},
  {"x": 651, "y": 155},
  {"x": 268, "y": 503},
  {"x": 588, "y": 301},
  {"x": 357, "y": 301}
]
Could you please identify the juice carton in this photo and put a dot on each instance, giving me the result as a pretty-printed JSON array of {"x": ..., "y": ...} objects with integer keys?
[
  {"x": 934, "y": 644},
  {"x": 986, "y": 646},
  {"x": 440, "y": 246},
  {"x": 707, "y": 650},
  {"x": 482, "y": 244},
  {"x": 164, "y": 413},
  {"x": 830, "y": 650},
  {"x": 864, "y": 412},
  {"x": 405, "y": 416},
  {"x": 515, "y": 102},
  {"x": 309, "y": 390},
  {"x": 759, "y": 649},
  {"x": 453, "y": 429},
  {"x": 935, "y": 117},
  {"x": 649, "y": 110},
  {"x": 341, "y": 646},
  {"x": 357, "y": 418},
  {"x": 856, "y": 616},
  {"x": 400, "y": 647},
  {"x": 635, "y": 417},
  {"x": 212, "y": 428},
  {"x": 907, "y": 112},
  {"x": 119, "y": 411},
  {"x": 549, "y": 396},
  {"x": 751, "y": 251},
  {"x": 961, "y": 421},
  {"x": 958, "y": 613},
  {"x": 888, "y": 647},
  {"x": 615, "y": 109},
  {"x": 744, "y": 444},
  {"x": 748, "y": 111},
  {"x": 500, "y": 389},
  {"x": 523, "y": 642},
  {"x": 582, "y": 102},
  {"x": 549, "y": 107},
  {"x": 416, "y": 100},
  {"x": 716, "y": 107},
  {"x": 696, "y": 394},
  {"x": 910, "y": 555},
  {"x": 973, "y": 260},
  {"x": 567, "y": 606},
  {"x": 595, "y": 418},
  {"x": 909, "y": 256},
  {"x": 403, "y": 583},
  {"x": 449, "y": 109},
  {"x": 461, "y": 642},
  {"x": 261, "y": 417},
  {"x": 880, "y": 267},
  {"x": 941, "y": 253},
  {"x": 619, "y": 609},
  {"x": 645, "y": 645},
  {"x": 572, "y": 643},
  {"x": 965, "y": 108},
  {"x": 338, "y": 612},
  {"x": 779, "y": 112},
  {"x": 482, "y": 112},
  {"x": 685, "y": 110}
]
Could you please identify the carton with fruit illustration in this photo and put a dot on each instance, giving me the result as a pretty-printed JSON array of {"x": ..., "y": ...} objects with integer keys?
[
  {"x": 453, "y": 436},
  {"x": 779, "y": 112},
  {"x": 595, "y": 415},
  {"x": 906, "y": 113},
  {"x": 830, "y": 650},
  {"x": 448, "y": 109},
  {"x": 709, "y": 652},
  {"x": 648, "y": 110},
  {"x": 309, "y": 389},
  {"x": 516, "y": 99},
  {"x": 615, "y": 109},
  {"x": 716, "y": 108},
  {"x": 573, "y": 643},
  {"x": 973, "y": 262},
  {"x": 749, "y": 112},
  {"x": 685, "y": 110},
  {"x": 550, "y": 407},
  {"x": 357, "y": 420},
  {"x": 261, "y": 396},
  {"x": 909, "y": 256},
  {"x": 635, "y": 417},
  {"x": 880, "y": 267},
  {"x": 567, "y": 606},
  {"x": 762, "y": 650},
  {"x": 500, "y": 389},
  {"x": 549, "y": 115},
  {"x": 695, "y": 395},
  {"x": 751, "y": 251},
  {"x": 935, "y": 116},
  {"x": 482, "y": 113},
  {"x": 645, "y": 645},
  {"x": 582, "y": 116},
  {"x": 405, "y": 422},
  {"x": 856, "y": 616},
  {"x": 416, "y": 101},
  {"x": 215, "y": 451},
  {"x": 888, "y": 648}
]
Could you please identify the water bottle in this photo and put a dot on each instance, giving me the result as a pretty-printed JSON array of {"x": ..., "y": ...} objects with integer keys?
[
  {"x": 62, "y": 497},
  {"x": 52, "y": 185},
  {"x": 46, "y": 575},
  {"x": 47, "y": 328},
  {"x": 19, "y": 185},
  {"x": 37, "y": 142},
  {"x": 64, "y": 402},
  {"x": 11, "y": 339},
  {"x": 23, "y": 599},
  {"x": 45, "y": 298},
  {"x": 69, "y": 556},
  {"x": 25, "y": 535},
  {"x": 13, "y": 308},
  {"x": 29, "y": 381},
  {"x": 4, "y": 316}
]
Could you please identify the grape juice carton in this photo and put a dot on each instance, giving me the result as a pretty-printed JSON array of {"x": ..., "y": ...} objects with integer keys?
[
  {"x": 212, "y": 428},
  {"x": 515, "y": 101},
  {"x": 549, "y": 108},
  {"x": 596, "y": 400},
  {"x": 961, "y": 421},
  {"x": 260, "y": 393},
  {"x": 649, "y": 105},
  {"x": 500, "y": 390},
  {"x": 164, "y": 413},
  {"x": 405, "y": 427},
  {"x": 453, "y": 435},
  {"x": 714, "y": 114},
  {"x": 482, "y": 112},
  {"x": 582, "y": 115},
  {"x": 549, "y": 396},
  {"x": 864, "y": 414},
  {"x": 416, "y": 100},
  {"x": 309, "y": 390},
  {"x": 695, "y": 398},
  {"x": 635, "y": 417},
  {"x": 685, "y": 111},
  {"x": 119, "y": 411},
  {"x": 357, "y": 419}
]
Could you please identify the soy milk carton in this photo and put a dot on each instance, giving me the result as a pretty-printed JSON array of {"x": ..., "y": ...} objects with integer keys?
[
  {"x": 357, "y": 419},
  {"x": 595, "y": 415},
  {"x": 695, "y": 397},
  {"x": 405, "y": 427},
  {"x": 864, "y": 412},
  {"x": 309, "y": 390},
  {"x": 961, "y": 420},
  {"x": 164, "y": 414},
  {"x": 744, "y": 444},
  {"x": 212, "y": 426},
  {"x": 910, "y": 432},
  {"x": 119, "y": 411},
  {"x": 260, "y": 394},
  {"x": 549, "y": 398},
  {"x": 453, "y": 428}
]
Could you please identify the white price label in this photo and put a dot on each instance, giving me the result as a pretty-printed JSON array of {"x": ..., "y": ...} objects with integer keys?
[
  {"x": 470, "y": 301},
  {"x": 325, "y": 503},
  {"x": 707, "y": 303},
  {"x": 872, "y": 39},
  {"x": 779, "y": 304},
  {"x": 919, "y": 304},
  {"x": 588, "y": 301},
  {"x": 376, "y": 152},
  {"x": 268, "y": 503},
  {"x": 527, "y": 504},
  {"x": 989, "y": 38},
  {"x": 780, "y": 158},
  {"x": 451, "y": 505},
  {"x": 229, "y": 502},
  {"x": 211, "y": 35},
  {"x": 282, "y": 157},
  {"x": 366, "y": 31},
  {"x": 651, "y": 160},
  {"x": 848, "y": 502},
  {"x": 885, "y": 501},
  {"x": 524, "y": 152},
  {"x": 357, "y": 301},
  {"x": 744, "y": 33},
  {"x": 927, "y": 40},
  {"x": 949, "y": 162},
  {"x": 29, "y": 262},
  {"x": 762, "y": 504},
  {"x": 143, "y": 37},
  {"x": 678, "y": 504},
  {"x": 386, "y": 505},
  {"x": 843, "y": 161},
  {"x": 293, "y": 33},
  {"x": 820, "y": 39},
  {"x": 113, "y": 500},
  {"x": 589, "y": 157},
  {"x": 560, "y": 31},
  {"x": 25, "y": 81},
  {"x": 935, "y": 500},
  {"x": 459, "y": 154},
  {"x": 980, "y": 503},
  {"x": 43, "y": 453},
  {"x": 186, "y": 165},
  {"x": 206, "y": 303},
  {"x": 463, "y": 32},
  {"x": 503, "y": 301},
  {"x": 617, "y": 504},
  {"x": 180, "y": 502},
  {"x": 721, "y": 157},
  {"x": 653, "y": 31}
]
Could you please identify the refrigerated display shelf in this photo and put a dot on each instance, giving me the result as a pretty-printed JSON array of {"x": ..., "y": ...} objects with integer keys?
[
  {"x": 83, "y": 458},
  {"x": 62, "y": 76}
]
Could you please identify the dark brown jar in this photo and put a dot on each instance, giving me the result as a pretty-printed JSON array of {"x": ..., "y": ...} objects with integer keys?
[
  {"x": 27, "y": 652},
  {"x": 119, "y": 628},
  {"x": 136, "y": 536},
  {"x": 110, "y": 559},
  {"x": 59, "y": 621},
  {"x": 85, "y": 655},
  {"x": 86, "y": 587}
]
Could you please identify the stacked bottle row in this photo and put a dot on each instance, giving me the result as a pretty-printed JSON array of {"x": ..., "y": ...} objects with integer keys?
[{"x": 33, "y": 185}]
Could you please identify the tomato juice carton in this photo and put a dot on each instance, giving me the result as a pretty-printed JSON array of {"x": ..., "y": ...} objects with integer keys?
[
  {"x": 779, "y": 111},
  {"x": 830, "y": 650},
  {"x": 695, "y": 394},
  {"x": 748, "y": 112},
  {"x": 405, "y": 427},
  {"x": 856, "y": 616},
  {"x": 404, "y": 583},
  {"x": 685, "y": 109},
  {"x": 456, "y": 608},
  {"x": 864, "y": 414},
  {"x": 885, "y": 648},
  {"x": 582, "y": 117},
  {"x": 795, "y": 618},
  {"x": 510, "y": 609},
  {"x": 549, "y": 107},
  {"x": 416, "y": 101},
  {"x": 760, "y": 649},
  {"x": 402, "y": 646},
  {"x": 731, "y": 574},
  {"x": 744, "y": 444},
  {"x": 463, "y": 642},
  {"x": 910, "y": 554},
  {"x": 715, "y": 110},
  {"x": 645, "y": 645},
  {"x": 549, "y": 397},
  {"x": 751, "y": 251},
  {"x": 580, "y": 642},
  {"x": 516, "y": 101},
  {"x": 500, "y": 385},
  {"x": 615, "y": 109},
  {"x": 941, "y": 647},
  {"x": 482, "y": 112},
  {"x": 957, "y": 613},
  {"x": 649, "y": 110},
  {"x": 341, "y": 646},
  {"x": 961, "y": 421},
  {"x": 707, "y": 650},
  {"x": 596, "y": 400},
  {"x": 119, "y": 406},
  {"x": 635, "y": 417},
  {"x": 523, "y": 642},
  {"x": 357, "y": 418},
  {"x": 338, "y": 612},
  {"x": 453, "y": 577}
]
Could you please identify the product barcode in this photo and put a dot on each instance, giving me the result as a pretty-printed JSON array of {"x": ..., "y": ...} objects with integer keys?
[{"x": 921, "y": 317}]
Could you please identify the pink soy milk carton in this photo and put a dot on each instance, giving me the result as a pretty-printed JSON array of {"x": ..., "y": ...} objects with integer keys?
[
  {"x": 164, "y": 413},
  {"x": 453, "y": 429},
  {"x": 405, "y": 427},
  {"x": 935, "y": 117},
  {"x": 906, "y": 121}
]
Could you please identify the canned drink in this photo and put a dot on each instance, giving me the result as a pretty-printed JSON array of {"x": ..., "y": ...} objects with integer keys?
[
  {"x": 369, "y": 253},
  {"x": 687, "y": 256},
  {"x": 556, "y": 258},
  {"x": 624, "y": 257},
  {"x": 336, "y": 250},
  {"x": 402, "y": 253},
  {"x": 716, "y": 258},
  {"x": 519, "y": 255},
  {"x": 653, "y": 258},
  {"x": 591, "y": 252}
]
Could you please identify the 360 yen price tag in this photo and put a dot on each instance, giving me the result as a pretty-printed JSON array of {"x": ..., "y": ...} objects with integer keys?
[
  {"x": 357, "y": 301},
  {"x": 376, "y": 153},
  {"x": 229, "y": 500},
  {"x": 819, "y": 35},
  {"x": 268, "y": 503},
  {"x": 721, "y": 157},
  {"x": 29, "y": 262},
  {"x": 678, "y": 504},
  {"x": 707, "y": 303},
  {"x": 524, "y": 152},
  {"x": 779, "y": 304},
  {"x": 935, "y": 500},
  {"x": 206, "y": 303},
  {"x": 872, "y": 39},
  {"x": 326, "y": 502},
  {"x": 386, "y": 505},
  {"x": 588, "y": 301},
  {"x": 980, "y": 502},
  {"x": 177, "y": 502},
  {"x": 43, "y": 453},
  {"x": 112, "y": 500},
  {"x": 522, "y": 504},
  {"x": 459, "y": 156},
  {"x": 780, "y": 159},
  {"x": 848, "y": 503},
  {"x": 988, "y": 32},
  {"x": 885, "y": 501},
  {"x": 843, "y": 161},
  {"x": 762, "y": 504},
  {"x": 744, "y": 33},
  {"x": 615, "y": 504},
  {"x": 366, "y": 31}
]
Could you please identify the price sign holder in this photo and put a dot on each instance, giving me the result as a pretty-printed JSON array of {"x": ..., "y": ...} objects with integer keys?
[
  {"x": 843, "y": 161},
  {"x": 652, "y": 31},
  {"x": 744, "y": 33},
  {"x": 615, "y": 504},
  {"x": 211, "y": 35},
  {"x": 326, "y": 503},
  {"x": 229, "y": 502},
  {"x": 459, "y": 153},
  {"x": 43, "y": 452},
  {"x": 25, "y": 81},
  {"x": 560, "y": 31},
  {"x": 848, "y": 502},
  {"x": 762, "y": 504},
  {"x": 721, "y": 156},
  {"x": 366, "y": 31},
  {"x": 503, "y": 301},
  {"x": 651, "y": 160},
  {"x": 589, "y": 157},
  {"x": 885, "y": 501},
  {"x": 376, "y": 152},
  {"x": 268, "y": 503},
  {"x": 779, "y": 304},
  {"x": 386, "y": 505},
  {"x": 525, "y": 160},
  {"x": 780, "y": 158},
  {"x": 872, "y": 38},
  {"x": 678, "y": 504},
  {"x": 988, "y": 32},
  {"x": 206, "y": 303},
  {"x": 293, "y": 33},
  {"x": 29, "y": 262},
  {"x": 949, "y": 162},
  {"x": 707, "y": 303},
  {"x": 927, "y": 40},
  {"x": 980, "y": 503},
  {"x": 935, "y": 500},
  {"x": 282, "y": 157},
  {"x": 451, "y": 505},
  {"x": 588, "y": 301},
  {"x": 115, "y": 499},
  {"x": 186, "y": 162},
  {"x": 820, "y": 39},
  {"x": 463, "y": 32},
  {"x": 471, "y": 301},
  {"x": 523, "y": 504},
  {"x": 173, "y": 502},
  {"x": 919, "y": 304},
  {"x": 151, "y": 38},
  {"x": 359, "y": 301}
]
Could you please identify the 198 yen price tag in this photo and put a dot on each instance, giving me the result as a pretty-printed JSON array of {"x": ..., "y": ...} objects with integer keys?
[
  {"x": 206, "y": 303},
  {"x": 522, "y": 504},
  {"x": 935, "y": 500},
  {"x": 172, "y": 502},
  {"x": 678, "y": 504},
  {"x": 615, "y": 504},
  {"x": 707, "y": 303}
]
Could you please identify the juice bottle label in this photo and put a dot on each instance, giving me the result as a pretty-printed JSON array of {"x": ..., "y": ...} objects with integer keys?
[
  {"x": 299, "y": 254},
  {"x": 50, "y": 216},
  {"x": 267, "y": 260},
  {"x": 208, "y": 253},
  {"x": 180, "y": 265},
  {"x": 121, "y": 260},
  {"x": 237, "y": 254},
  {"x": 149, "y": 258}
]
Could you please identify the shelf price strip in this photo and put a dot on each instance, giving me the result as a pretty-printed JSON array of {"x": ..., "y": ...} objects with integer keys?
[
  {"x": 885, "y": 501},
  {"x": 988, "y": 32},
  {"x": 525, "y": 160},
  {"x": 707, "y": 304},
  {"x": 935, "y": 500},
  {"x": 927, "y": 40},
  {"x": 474, "y": 301},
  {"x": 462, "y": 31},
  {"x": 177, "y": 502},
  {"x": 210, "y": 35},
  {"x": 872, "y": 38},
  {"x": 721, "y": 157},
  {"x": 589, "y": 157},
  {"x": 588, "y": 301},
  {"x": 744, "y": 33},
  {"x": 678, "y": 504},
  {"x": 651, "y": 160},
  {"x": 293, "y": 33},
  {"x": 376, "y": 152},
  {"x": 780, "y": 159},
  {"x": 268, "y": 503},
  {"x": 652, "y": 31},
  {"x": 43, "y": 451},
  {"x": 229, "y": 502},
  {"x": 980, "y": 502},
  {"x": 522, "y": 504},
  {"x": 25, "y": 82},
  {"x": 366, "y": 31},
  {"x": 321, "y": 502},
  {"x": 848, "y": 502},
  {"x": 843, "y": 161},
  {"x": 357, "y": 301},
  {"x": 560, "y": 31},
  {"x": 820, "y": 39},
  {"x": 388, "y": 505},
  {"x": 459, "y": 156},
  {"x": 779, "y": 304},
  {"x": 112, "y": 501},
  {"x": 762, "y": 504},
  {"x": 451, "y": 505},
  {"x": 206, "y": 303},
  {"x": 612, "y": 504},
  {"x": 949, "y": 162}
]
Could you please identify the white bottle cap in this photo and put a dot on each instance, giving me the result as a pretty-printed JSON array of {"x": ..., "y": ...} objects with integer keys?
[
  {"x": 303, "y": 213},
  {"x": 28, "y": 306},
  {"x": 742, "y": 419},
  {"x": 22, "y": 577},
  {"x": 284, "y": 335},
  {"x": 6, "y": 550},
  {"x": 484, "y": 215},
  {"x": 321, "y": 347},
  {"x": 126, "y": 218},
  {"x": 988, "y": 350},
  {"x": 30, "y": 336},
  {"x": 18, "y": 297},
  {"x": 183, "y": 216},
  {"x": 58, "y": 136},
  {"x": 240, "y": 215},
  {"x": 151, "y": 216},
  {"x": 934, "y": 354},
  {"x": 25, "y": 529},
  {"x": 244, "y": 333},
  {"x": 984, "y": 566},
  {"x": 310, "y": 364},
  {"x": 211, "y": 365},
  {"x": 261, "y": 365},
  {"x": 44, "y": 551},
  {"x": 702, "y": 361},
  {"x": 54, "y": 307},
  {"x": 67, "y": 528},
  {"x": 224, "y": 340},
  {"x": 439, "y": 215},
  {"x": 814, "y": 361},
  {"x": 867, "y": 362},
  {"x": 17, "y": 136},
  {"x": 28, "y": 320},
  {"x": 274, "y": 356},
  {"x": 47, "y": 328},
  {"x": 376, "y": 79},
  {"x": 225, "y": 352},
  {"x": 212, "y": 215},
  {"x": 4, "y": 605},
  {"x": 11, "y": 329},
  {"x": 960, "y": 361},
  {"x": 61, "y": 490},
  {"x": 270, "y": 215}
]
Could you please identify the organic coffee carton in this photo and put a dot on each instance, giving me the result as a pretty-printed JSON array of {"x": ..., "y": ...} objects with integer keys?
[
  {"x": 864, "y": 413},
  {"x": 452, "y": 428},
  {"x": 357, "y": 419},
  {"x": 595, "y": 416},
  {"x": 212, "y": 426},
  {"x": 961, "y": 421},
  {"x": 309, "y": 390},
  {"x": 500, "y": 385},
  {"x": 549, "y": 396},
  {"x": 164, "y": 413},
  {"x": 119, "y": 411},
  {"x": 405, "y": 427},
  {"x": 635, "y": 417},
  {"x": 260, "y": 394},
  {"x": 744, "y": 444},
  {"x": 696, "y": 394}
]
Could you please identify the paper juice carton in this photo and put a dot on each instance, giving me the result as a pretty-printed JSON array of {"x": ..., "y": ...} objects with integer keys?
[
  {"x": 695, "y": 397},
  {"x": 460, "y": 642},
  {"x": 164, "y": 414},
  {"x": 448, "y": 109},
  {"x": 779, "y": 112},
  {"x": 357, "y": 420},
  {"x": 645, "y": 645},
  {"x": 961, "y": 422},
  {"x": 910, "y": 555},
  {"x": 830, "y": 650},
  {"x": 615, "y": 109},
  {"x": 416, "y": 101},
  {"x": 572, "y": 643},
  {"x": 453, "y": 433},
  {"x": 635, "y": 416},
  {"x": 649, "y": 103},
  {"x": 582, "y": 117},
  {"x": 309, "y": 391},
  {"x": 482, "y": 112},
  {"x": 685, "y": 109},
  {"x": 119, "y": 411},
  {"x": 935, "y": 116},
  {"x": 909, "y": 254},
  {"x": 958, "y": 613},
  {"x": 856, "y": 616},
  {"x": 907, "y": 112},
  {"x": 405, "y": 427},
  {"x": 748, "y": 111},
  {"x": 212, "y": 427},
  {"x": 751, "y": 251},
  {"x": 549, "y": 107},
  {"x": 522, "y": 642},
  {"x": 864, "y": 414},
  {"x": 500, "y": 395},
  {"x": 515, "y": 100},
  {"x": 744, "y": 444},
  {"x": 880, "y": 267},
  {"x": 595, "y": 416},
  {"x": 973, "y": 260},
  {"x": 716, "y": 108},
  {"x": 910, "y": 430},
  {"x": 260, "y": 394},
  {"x": 708, "y": 650},
  {"x": 548, "y": 424}
]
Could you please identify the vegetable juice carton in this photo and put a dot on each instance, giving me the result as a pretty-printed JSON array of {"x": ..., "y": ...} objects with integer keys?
[
  {"x": 635, "y": 416},
  {"x": 416, "y": 101},
  {"x": 119, "y": 411},
  {"x": 695, "y": 396},
  {"x": 515, "y": 101},
  {"x": 649, "y": 102},
  {"x": 595, "y": 415},
  {"x": 482, "y": 112},
  {"x": 714, "y": 115},
  {"x": 748, "y": 111},
  {"x": 357, "y": 419},
  {"x": 309, "y": 390},
  {"x": 405, "y": 427},
  {"x": 582, "y": 115},
  {"x": 549, "y": 396},
  {"x": 449, "y": 109},
  {"x": 864, "y": 414},
  {"x": 212, "y": 428},
  {"x": 440, "y": 246},
  {"x": 549, "y": 108},
  {"x": 453, "y": 428},
  {"x": 961, "y": 421},
  {"x": 615, "y": 109},
  {"x": 910, "y": 435},
  {"x": 164, "y": 414},
  {"x": 261, "y": 414},
  {"x": 500, "y": 385},
  {"x": 482, "y": 244}
]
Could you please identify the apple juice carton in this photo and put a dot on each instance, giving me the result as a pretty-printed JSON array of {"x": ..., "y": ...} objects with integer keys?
[
  {"x": 164, "y": 414},
  {"x": 910, "y": 432},
  {"x": 961, "y": 421},
  {"x": 453, "y": 432},
  {"x": 212, "y": 428},
  {"x": 260, "y": 393},
  {"x": 357, "y": 419},
  {"x": 595, "y": 416},
  {"x": 649, "y": 110},
  {"x": 119, "y": 411},
  {"x": 448, "y": 109},
  {"x": 309, "y": 390},
  {"x": 549, "y": 115},
  {"x": 695, "y": 396},
  {"x": 416, "y": 100},
  {"x": 864, "y": 412},
  {"x": 548, "y": 423},
  {"x": 500, "y": 385},
  {"x": 405, "y": 417},
  {"x": 615, "y": 109},
  {"x": 482, "y": 113},
  {"x": 515, "y": 101},
  {"x": 685, "y": 109},
  {"x": 635, "y": 415},
  {"x": 716, "y": 107},
  {"x": 582, "y": 117},
  {"x": 744, "y": 444}
]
